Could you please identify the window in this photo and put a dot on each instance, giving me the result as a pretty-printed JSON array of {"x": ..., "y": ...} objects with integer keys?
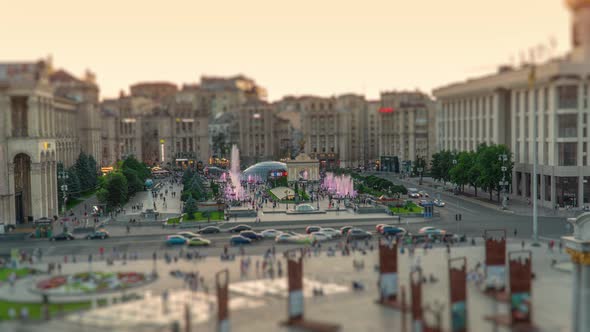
[
  {"x": 567, "y": 96},
  {"x": 568, "y": 125},
  {"x": 567, "y": 154}
]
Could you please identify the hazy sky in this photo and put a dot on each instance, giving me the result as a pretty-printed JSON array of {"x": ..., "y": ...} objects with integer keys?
[{"x": 322, "y": 47}]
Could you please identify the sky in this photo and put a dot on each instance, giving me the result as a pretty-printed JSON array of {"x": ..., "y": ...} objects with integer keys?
[{"x": 320, "y": 47}]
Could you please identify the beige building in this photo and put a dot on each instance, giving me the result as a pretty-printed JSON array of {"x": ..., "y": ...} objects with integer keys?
[
  {"x": 45, "y": 118},
  {"x": 261, "y": 135},
  {"x": 157, "y": 130},
  {"x": 405, "y": 126},
  {"x": 503, "y": 108}
]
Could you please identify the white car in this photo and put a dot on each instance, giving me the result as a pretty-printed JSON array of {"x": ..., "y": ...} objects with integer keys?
[
  {"x": 270, "y": 233},
  {"x": 429, "y": 230},
  {"x": 319, "y": 236},
  {"x": 331, "y": 232}
]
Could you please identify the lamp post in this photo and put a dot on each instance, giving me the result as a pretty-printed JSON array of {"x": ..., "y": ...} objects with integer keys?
[
  {"x": 532, "y": 79},
  {"x": 457, "y": 215},
  {"x": 287, "y": 198},
  {"x": 63, "y": 176},
  {"x": 504, "y": 158},
  {"x": 420, "y": 170}
]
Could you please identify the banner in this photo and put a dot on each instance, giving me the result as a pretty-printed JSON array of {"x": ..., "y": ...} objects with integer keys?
[
  {"x": 520, "y": 286},
  {"x": 458, "y": 294},
  {"x": 495, "y": 260}
]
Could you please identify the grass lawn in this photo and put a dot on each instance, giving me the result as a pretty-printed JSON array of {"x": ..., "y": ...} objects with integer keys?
[
  {"x": 198, "y": 217},
  {"x": 73, "y": 202},
  {"x": 408, "y": 208},
  {"x": 5, "y": 273},
  {"x": 303, "y": 197},
  {"x": 35, "y": 309}
]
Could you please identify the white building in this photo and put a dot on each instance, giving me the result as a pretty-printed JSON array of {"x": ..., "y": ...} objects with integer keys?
[{"x": 502, "y": 109}]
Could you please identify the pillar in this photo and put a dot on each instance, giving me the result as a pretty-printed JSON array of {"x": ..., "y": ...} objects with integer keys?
[
  {"x": 580, "y": 195},
  {"x": 33, "y": 116},
  {"x": 5, "y": 105},
  {"x": 584, "y": 319},
  {"x": 43, "y": 176},
  {"x": 11, "y": 207},
  {"x": 36, "y": 194},
  {"x": 553, "y": 193}
]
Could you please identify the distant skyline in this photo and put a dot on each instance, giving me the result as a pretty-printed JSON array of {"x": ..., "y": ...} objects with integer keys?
[{"x": 305, "y": 47}]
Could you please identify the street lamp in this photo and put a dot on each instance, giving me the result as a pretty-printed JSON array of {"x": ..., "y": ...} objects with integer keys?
[
  {"x": 455, "y": 164},
  {"x": 287, "y": 198},
  {"x": 420, "y": 169},
  {"x": 504, "y": 158},
  {"x": 63, "y": 176},
  {"x": 458, "y": 215}
]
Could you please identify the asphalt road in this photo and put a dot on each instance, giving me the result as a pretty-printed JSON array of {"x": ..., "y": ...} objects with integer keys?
[{"x": 476, "y": 218}]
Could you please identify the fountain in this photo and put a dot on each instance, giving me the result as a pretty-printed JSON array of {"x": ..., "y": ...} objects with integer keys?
[
  {"x": 235, "y": 191},
  {"x": 339, "y": 185}
]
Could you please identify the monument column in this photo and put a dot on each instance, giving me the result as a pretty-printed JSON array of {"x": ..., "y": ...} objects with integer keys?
[
  {"x": 578, "y": 247},
  {"x": 36, "y": 194}
]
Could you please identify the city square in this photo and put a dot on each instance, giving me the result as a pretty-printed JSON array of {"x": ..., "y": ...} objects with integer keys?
[{"x": 376, "y": 175}]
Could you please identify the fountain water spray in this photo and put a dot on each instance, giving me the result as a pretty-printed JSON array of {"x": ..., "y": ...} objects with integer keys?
[
  {"x": 236, "y": 191},
  {"x": 339, "y": 185}
]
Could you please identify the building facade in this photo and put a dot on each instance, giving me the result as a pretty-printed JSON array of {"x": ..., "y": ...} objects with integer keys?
[{"x": 507, "y": 107}]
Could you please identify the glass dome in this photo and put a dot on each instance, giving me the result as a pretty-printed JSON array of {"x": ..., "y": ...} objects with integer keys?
[
  {"x": 261, "y": 170},
  {"x": 304, "y": 208}
]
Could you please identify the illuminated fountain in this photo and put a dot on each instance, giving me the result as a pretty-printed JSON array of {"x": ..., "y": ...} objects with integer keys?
[
  {"x": 339, "y": 185},
  {"x": 235, "y": 191}
]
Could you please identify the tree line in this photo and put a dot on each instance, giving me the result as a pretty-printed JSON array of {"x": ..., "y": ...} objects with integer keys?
[
  {"x": 127, "y": 178},
  {"x": 481, "y": 168},
  {"x": 81, "y": 177}
]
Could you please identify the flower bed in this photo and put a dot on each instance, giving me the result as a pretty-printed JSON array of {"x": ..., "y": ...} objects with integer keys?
[{"x": 91, "y": 282}]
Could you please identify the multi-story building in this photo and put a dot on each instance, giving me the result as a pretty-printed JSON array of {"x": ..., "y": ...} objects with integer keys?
[
  {"x": 405, "y": 126},
  {"x": 258, "y": 139},
  {"x": 158, "y": 131},
  {"x": 506, "y": 107},
  {"x": 88, "y": 117},
  {"x": 157, "y": 91},
  {"x": 45, "y": 118}
]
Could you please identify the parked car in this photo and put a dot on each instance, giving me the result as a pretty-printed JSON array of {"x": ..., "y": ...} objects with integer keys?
[
  {"x": 251, "y": 235},
  {"x": 239, "y": 228},
  {"x": 438, "y": 203},
  {"x": 358, "y": 234},
  {"x": 209, "y": 230},
  {"x": 344, "y": 230},
  {"x": 172, "y": 240},
  {"x": 188, "y": 235},
  {"x": 238, "y": 240},
  {"x": 392, "y": 231},
  {"x": 99, "y": 234},
  {"x": 312, "y": 229},
  {"x": 198, "y": 242},
  {"x": 331, "y": 232},
  {"x": 429, "y": 230},
  {"x": 423, "y": 194},
  {"x": 62, "y": 237},
  {"x": 270, "y": 233}
]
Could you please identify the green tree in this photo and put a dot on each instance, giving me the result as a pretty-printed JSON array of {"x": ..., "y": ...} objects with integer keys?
[
  {"x": 134, "y": 184},
  {"x": 441, "y": 165},
  {"x": 114, "y": 192},
  {"x": 92, "y": 172},
  {"x": 73, "y": 183},
  {"x": 490, "y": 167},
  {"x": 190, "y": 207},
  {"x": 81, "y": 167},
  {"x": 460, "y": 172},
  {"x": 142, "y": 170}
]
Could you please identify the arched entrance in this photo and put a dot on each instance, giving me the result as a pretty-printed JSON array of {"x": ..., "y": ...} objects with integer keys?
[{"x": 22, "y": 187}]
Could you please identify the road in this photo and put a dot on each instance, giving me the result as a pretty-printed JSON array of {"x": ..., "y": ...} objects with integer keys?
[{"x": 476, "y": 218}]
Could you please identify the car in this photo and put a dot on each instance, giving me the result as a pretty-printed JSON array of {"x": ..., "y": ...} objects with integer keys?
[
  {"x": 238, "y": 240},
  {"x": 423, "y": 194},
  {"x": 239, "y": 228},
  {"x": 172, "y": 240},
  {"x": 198, "y": 242},
  {"x": 344, "y": 230},
  {"x": 209, "y": 230},
  {"x": 413, "y": 193},
  {"x": 429, "y": 230},
  {"x": 312, "y": 229},
  {"x": 331, "y": 232},
  {"x": 422, "y": 202},
  {"x": 392, "y": 231},
  {"x": 290, "y": 238},
  {"x": 99, "y": 234},
  {"x": 438, "y": 203},
  {"x": 62, "y": 237},
  {"x": 319, "y": 236},
  {"x": 188, "y": 235},
  {"x": 270, "y": 233},
  {"x": 251, "y": 235},
  {"x": 358, "y": 234},
  {"x": 378, "y": 227}
]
